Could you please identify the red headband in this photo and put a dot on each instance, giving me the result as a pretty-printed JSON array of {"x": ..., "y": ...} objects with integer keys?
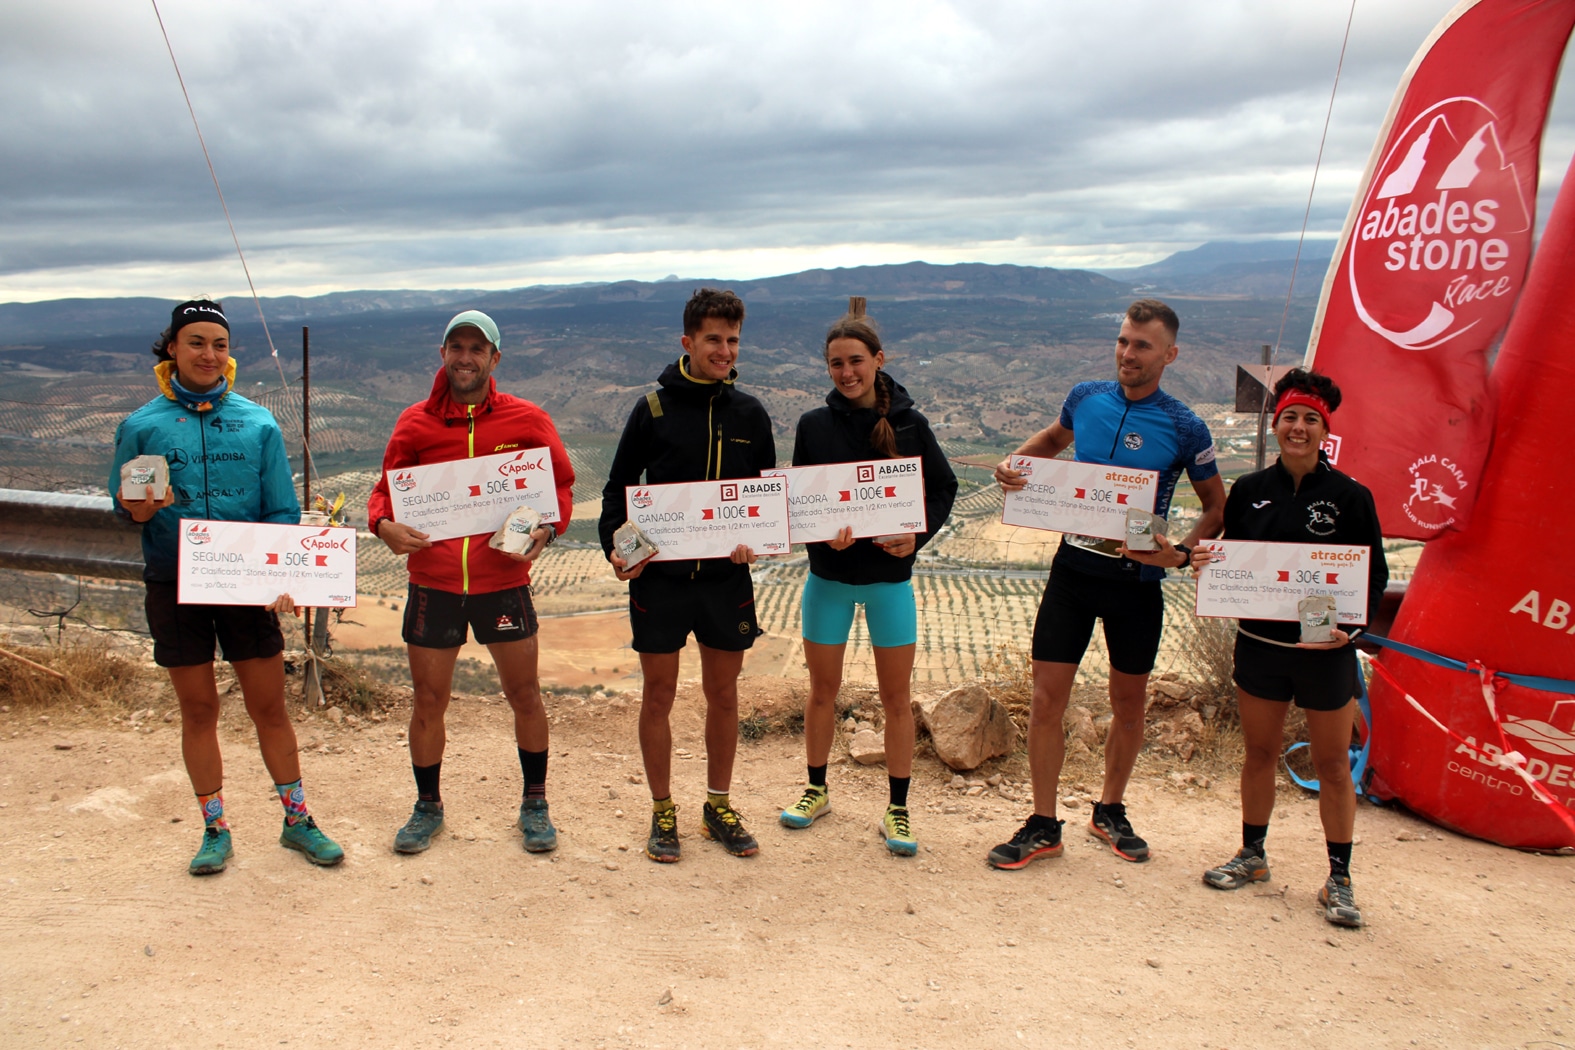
[{"x": 1302, "y": 397}]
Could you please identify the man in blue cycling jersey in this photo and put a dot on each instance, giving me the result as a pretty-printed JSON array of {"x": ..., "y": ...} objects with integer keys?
[{"x": 1129, "y": 422}]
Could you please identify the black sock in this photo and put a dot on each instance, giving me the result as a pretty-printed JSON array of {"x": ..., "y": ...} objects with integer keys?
[
  {"x": 1042, "y": 823},
  {"x": 899, "y": 790},
  {"x": 534, "y": 765},
  {"x": 817, "y": 776},
  {"x": 427, "y": 781},
  {"x": 1339, "y": 859},
  {"x": 1253, "y": 835}
]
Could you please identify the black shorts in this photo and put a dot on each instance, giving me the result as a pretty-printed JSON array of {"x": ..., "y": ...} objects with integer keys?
[
  {"x": 184, "y": 635},
  {"x": 719, "y": 610},
  {"x": 1133, "y": 612},
  {"x": 1317, "y": 679},
  {"x": 437, "y": 619}
]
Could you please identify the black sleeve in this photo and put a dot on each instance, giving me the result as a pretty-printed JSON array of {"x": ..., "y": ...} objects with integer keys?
[
  {"x": 799, "y": 451},
  {"x": 940, "y": 484},
  {"x": 1234, "y": 500},
  {"x": 628, "y": 464},
  {"x": 767, "y": 441}
]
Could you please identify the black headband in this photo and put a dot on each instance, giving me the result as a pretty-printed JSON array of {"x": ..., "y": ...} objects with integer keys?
[{"x": 194, "y": 312}]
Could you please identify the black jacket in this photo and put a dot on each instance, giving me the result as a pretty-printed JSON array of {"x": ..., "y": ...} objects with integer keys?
[
  {"x": 840, "y": 433},
  {"x": 687, "y": 430},
  {"x": 1329, "y": 507}
]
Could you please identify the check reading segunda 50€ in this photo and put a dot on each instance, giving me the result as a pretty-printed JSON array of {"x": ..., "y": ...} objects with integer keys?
[
  {"x": 708, "y": 519},
  {"x": 252, "y": 563},
  {"x": 464, "y": 497},
  {"x": 875, "y": 498}
]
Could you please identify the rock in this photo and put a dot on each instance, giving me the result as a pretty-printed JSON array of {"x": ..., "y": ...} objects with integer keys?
[
  {"x": 1070, "y": 803},
  {"x": 996, "y": 780},
  {"x": 1153, "y": 962},
  {"x": 863, "y": 727},
  {"x": 1172, "y": 691},
  {"x": 335, "y": 715},
  {"x": 352, "y": 720},
  {"x": 1410, "y": 836},
  {"x": 426, "y": 880},
  {"x": 63, "y": 746},
  {"x": 975, "y": 791},
  {"x": 1080, "y": 727},
  {"x": 147, "y": 949},
  {"x": 867, "y": 748},
  {"x": 957, "y": 782},
  {"x": 610, "y": 865},
  {"x": 666, "y": 998},
  {"x": 850, "y": 725},
  {"x": 967, "y": 726},
  {"x": 1209, "y": 711},
  {"x": 169, "y": 716},
  {"x": 910, "y": 909}
]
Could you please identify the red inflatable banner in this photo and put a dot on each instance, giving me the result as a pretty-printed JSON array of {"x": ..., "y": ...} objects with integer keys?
[
  {"x": 1432, "y": 257},
  {"x": 1498, "y": 763}
]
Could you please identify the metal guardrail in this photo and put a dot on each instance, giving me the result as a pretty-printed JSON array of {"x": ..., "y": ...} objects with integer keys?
[{"x": 53, "y": 532}]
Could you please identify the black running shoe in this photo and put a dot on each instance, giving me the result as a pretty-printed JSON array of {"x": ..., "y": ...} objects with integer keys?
[
  {"x": 1111, "y": 824},
  {"x": 1339, "y": 903},
  {"x": 662, "y": 846},
  {"x": 727, "y": 827},
  {"x": 1030, "y": 843}
]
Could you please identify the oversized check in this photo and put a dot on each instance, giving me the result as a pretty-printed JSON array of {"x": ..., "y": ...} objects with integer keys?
[
  {"x": 707, "y": 519},
  {"x": 1085, "y": 499},
  {"x": 464, "y": 497},
  {"x": 250, "y": 563},
  {"x": 875, "y": 498},
  {"x": 1252, "y": 580}
]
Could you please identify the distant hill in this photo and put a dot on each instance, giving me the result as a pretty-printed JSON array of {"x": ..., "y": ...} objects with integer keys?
[{"x": 1245, "y": 268}]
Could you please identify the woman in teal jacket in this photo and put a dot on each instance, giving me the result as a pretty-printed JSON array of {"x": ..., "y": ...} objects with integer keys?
[{"x": 226, "y": 463}]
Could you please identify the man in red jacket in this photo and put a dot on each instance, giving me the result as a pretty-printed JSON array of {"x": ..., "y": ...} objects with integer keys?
[{"x": 460, "y": 582}]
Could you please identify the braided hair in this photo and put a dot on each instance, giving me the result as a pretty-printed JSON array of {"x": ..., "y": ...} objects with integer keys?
[{"x": 882, "y": 438}]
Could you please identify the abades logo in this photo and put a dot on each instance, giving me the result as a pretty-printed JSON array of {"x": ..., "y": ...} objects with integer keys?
[
  {"x": 1442, "y": 240},
  {"x": 198, "y": 533},
  {"x": 404, "y": 481},
  {"x": 641, "y": 498}
]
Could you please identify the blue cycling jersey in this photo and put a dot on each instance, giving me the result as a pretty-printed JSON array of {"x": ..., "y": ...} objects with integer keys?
[{"x": 1154, "y": 433}]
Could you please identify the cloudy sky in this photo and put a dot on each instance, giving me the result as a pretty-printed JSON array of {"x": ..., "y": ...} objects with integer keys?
[{"x": 393, "y": 144}]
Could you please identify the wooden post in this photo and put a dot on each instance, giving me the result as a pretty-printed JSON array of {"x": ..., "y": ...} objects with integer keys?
[
  {"x": 315, "y": 624},
  {"x": 856, "y": 305},
  {"x": 1268, "y": 392}
]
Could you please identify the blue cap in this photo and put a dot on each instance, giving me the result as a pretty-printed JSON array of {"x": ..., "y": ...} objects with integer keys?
[{"x": 475, "y": 319}]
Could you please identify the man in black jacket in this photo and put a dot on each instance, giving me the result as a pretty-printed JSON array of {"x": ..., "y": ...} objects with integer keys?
[{"x": 696, "y": 426}]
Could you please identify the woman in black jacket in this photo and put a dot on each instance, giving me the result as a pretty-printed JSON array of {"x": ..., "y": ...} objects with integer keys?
[
  {"x": 1301, "y": 499},
  {"x": 867, "y": 416}
]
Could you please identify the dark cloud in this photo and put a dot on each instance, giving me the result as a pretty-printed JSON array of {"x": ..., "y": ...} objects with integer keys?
[{"x": 391, "y": 144}]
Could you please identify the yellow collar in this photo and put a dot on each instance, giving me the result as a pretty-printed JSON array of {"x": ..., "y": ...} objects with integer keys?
[{"x": 165, "y": 370}]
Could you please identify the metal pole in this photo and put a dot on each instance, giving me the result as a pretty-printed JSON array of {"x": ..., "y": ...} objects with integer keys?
[
  {"x": 1263, "y": 409},
  {"x": 315, "y": 624}
]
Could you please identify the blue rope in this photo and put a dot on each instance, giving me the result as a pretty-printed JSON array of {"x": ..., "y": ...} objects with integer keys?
[{"x": 1529, "y": 681}]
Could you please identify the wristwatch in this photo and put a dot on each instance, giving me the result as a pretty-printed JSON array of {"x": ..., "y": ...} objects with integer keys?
[{"x": 1186, "y": 554}]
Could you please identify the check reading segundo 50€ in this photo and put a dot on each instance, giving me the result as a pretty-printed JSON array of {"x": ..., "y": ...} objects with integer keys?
[
  {"x": 875, "y": 498},
  {"x": 1255, "y": 580},
  {"x": 707, "y": 519},
  {"x": 252, "y": 563},
  {"x": 1063, "y": 495},
  {"x": 464, "y": 497}
]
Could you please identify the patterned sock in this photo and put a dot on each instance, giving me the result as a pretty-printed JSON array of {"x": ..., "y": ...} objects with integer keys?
[
  {"x": 662, "y": 805},
  {"x": 817, "y": 776},
  {"x": 1339, "y": 859},
  {"x": 534, "y": 765},
  {"x": 718, "y": 799},
  {"x": 1254, "y": 835},
  {"x": 427, "y": 781},
  {"x": 899, "y": 790},
  {"x": 294, "y": 801},
  {"x": 213, "y": 810}
]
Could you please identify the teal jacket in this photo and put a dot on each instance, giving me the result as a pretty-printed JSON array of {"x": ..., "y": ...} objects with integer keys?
[{"x": 227, "y": 463}]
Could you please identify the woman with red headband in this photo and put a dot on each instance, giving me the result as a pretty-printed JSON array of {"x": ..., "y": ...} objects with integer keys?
[{"x": 1300, "y": 499}]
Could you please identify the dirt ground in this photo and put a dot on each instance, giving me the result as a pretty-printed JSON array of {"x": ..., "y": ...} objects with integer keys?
[{"x": 822, "y": 939}]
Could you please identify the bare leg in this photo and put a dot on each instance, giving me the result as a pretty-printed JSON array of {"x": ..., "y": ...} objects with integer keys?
[
  {"x": 1263, "y": 731},
  {"x": 894, "y": 673},
  {"x": 719, "y": 681},
  {"x": 1047, "y": 731},
  {"x": 1128, "y": 702},
  {"x": 262, "y": 686},
  {"x": 660, "y": 674},
  {"x": 432, "y": 676},
  {"x": 820, "y": 712},
  {"x": 1329, "y": 733},
  {"x": 516, "y": 662},
  {"x": 198, "y": 697}
]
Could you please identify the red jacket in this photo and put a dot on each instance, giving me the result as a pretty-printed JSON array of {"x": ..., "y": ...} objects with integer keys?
[{"x": 438, "y": 430}]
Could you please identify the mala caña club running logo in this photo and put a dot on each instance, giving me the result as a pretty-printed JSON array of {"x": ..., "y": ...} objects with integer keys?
[{"x": 1444, "y": 233}]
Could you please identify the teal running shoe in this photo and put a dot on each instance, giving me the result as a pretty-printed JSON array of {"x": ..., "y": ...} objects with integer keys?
[
  {"x": 215, "y": 850},
  {"x": 899, "y": 837},
  {"x": 540, "y": 835},
  {"x": 425, "y": 821},
  {"x": 304, "y": 836},
  {"x": 811, "y": 806}
]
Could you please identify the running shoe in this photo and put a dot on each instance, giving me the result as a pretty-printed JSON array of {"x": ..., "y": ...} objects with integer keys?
[
  {"x": 815, "y": 803},
  {"x": 1030, "y": 843},
  {"x": 1110, "y": 823},
  {"x": 540, "y": 835},
  {"x": 304, "y": 836},
  {"x": 662, "y": 846},
  {"x": 726, "y": 826},
  {"x": 213, "y": 852},
  {"x": 1339, "y": 903},
  {"x": 899, "y": 838},
  {"x": 425, "y": 821},
  {"x": 1248, "y": 865}
]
